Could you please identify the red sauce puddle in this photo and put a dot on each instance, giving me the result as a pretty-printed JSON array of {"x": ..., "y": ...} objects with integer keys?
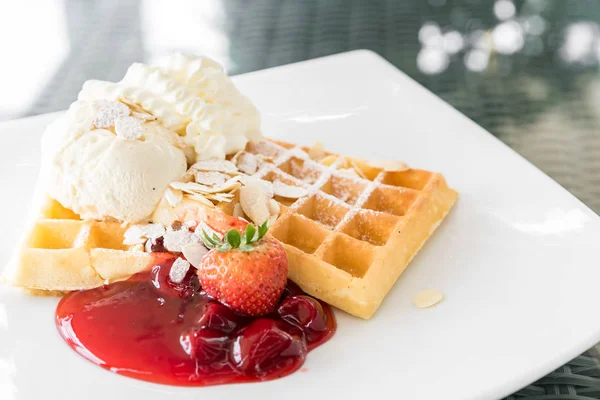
[{"x": 152, "y": 329}]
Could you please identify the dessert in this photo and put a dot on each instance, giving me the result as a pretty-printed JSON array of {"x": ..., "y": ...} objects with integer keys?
[
  {"x": 193, "y": 251},
  {"x": 161, "y": 325},
  {"x": 349, "y": 227}
]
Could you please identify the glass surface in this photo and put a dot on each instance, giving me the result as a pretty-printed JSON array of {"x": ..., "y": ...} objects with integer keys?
[{"x": 525, "y": 70}]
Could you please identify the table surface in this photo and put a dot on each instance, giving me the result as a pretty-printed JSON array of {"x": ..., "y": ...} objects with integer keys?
[{"x": 526, "y": 70}]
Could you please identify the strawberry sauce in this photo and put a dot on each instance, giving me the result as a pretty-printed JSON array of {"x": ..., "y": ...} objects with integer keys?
[{"x": 152, "y": 329}]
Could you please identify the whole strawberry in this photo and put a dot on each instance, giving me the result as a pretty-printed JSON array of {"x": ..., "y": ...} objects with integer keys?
[{"x": 246, "y": 272}]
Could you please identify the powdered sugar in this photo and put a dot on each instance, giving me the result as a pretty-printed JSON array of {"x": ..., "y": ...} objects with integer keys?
[
  {"x": 107, "y": 112},
  {"x": 324, "y": 173},
  {"x": 128, "y": 128},
  {"x": 175, "y": 240}
]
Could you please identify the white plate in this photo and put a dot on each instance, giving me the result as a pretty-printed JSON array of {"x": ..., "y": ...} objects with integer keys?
[{"x": 517, "y": 259}]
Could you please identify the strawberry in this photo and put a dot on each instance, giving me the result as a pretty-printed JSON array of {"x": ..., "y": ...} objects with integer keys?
[{"x": 246, "y": 272}]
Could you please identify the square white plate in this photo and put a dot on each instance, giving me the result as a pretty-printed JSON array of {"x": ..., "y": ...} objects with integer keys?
[{"x": 517, "y": 259}]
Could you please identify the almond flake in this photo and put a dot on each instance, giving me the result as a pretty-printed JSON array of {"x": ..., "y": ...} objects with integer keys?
[
  {"x": 427, "y": 298},
  {"x": 175, "y": 240},
  {"x": 202, "y": 226},
  {"x": 128, "y": 128},
  {"x": 200, "y": 199},
  {"x": 134, "y": 235},
  {"x": 357, "y": 169},
  {"x": 229, "y": 186},
  {"x": 287, "y": 191},
  {"x": 329, "y": 160},
  {"x": 266, "y": 186},
  {"x": 247, "y": 163},
  {"x": 317, "y": 151},
  {"x": 216, "y": 165},
  {"x": 237, "y": 211},
  {"x": 389, "y": 165},
  {"x": 272, "y": 219},
  {"x": 193, "y": 187},
  {"x": 143, "y": 116},
  {"x": 154, "y": 231},
  {"x": 173, "y": 196},
  {"x": 148, "y": 245},
  {"x": 179, "y": 270},
  {"x": 220, "y": 197},
  {"x": 210, "y": 178},
  {"x": 107, "y": 112},
  {"x": 194, "y": 253},
  {"x": 274, "y": 207},
  {"x": 254, "y": 203}
]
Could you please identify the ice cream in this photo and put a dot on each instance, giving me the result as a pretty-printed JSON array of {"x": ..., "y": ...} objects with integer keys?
[
  {"x": 105, "y": 159},
  {"x": 193, "y": 96}
]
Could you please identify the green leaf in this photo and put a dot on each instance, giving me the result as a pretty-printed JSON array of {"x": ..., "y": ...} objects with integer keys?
[
  {"x": 249, "y": 234},
  {"x": 233, "y": 238},
  {"x": 262, "y": 230},
  {"x": 246, "y": 247},
  {"x": 207, "y": 240},
  {"x": 223, "y": 247}
]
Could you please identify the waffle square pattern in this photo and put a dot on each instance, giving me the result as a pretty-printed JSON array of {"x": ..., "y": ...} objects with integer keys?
[
  {"x": 65, "y": 253},
  {"x": 351, "y": 236}
]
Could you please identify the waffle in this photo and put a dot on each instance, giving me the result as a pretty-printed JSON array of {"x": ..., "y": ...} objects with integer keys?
[
  {"x": 350, "y": 238},
  {"x": 62, "y": 253}
]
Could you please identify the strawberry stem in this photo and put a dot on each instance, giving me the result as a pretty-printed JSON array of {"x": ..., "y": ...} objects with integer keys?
[{"x": 233, "y": 239}]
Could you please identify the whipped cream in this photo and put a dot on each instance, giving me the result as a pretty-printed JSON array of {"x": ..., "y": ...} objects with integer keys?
[{"x": 192, "y": 96}]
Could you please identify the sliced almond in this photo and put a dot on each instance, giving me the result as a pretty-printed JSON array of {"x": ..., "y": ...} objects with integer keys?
[
  {"x": 202, "y": 226},
  {"x": 134, "y": 235},
  {"x": 173, "y": 196},
  {"x": 357, "y": 169},
  {"x": 200, "y": 199},
  {"x": 154, "y": 231},
  {"x": 246, "y": 162},
  {"x": 266, "y": 186},
  {"x": 194, "y": 252},
  {"x": 237, "y": 211},
  {"x": 216, "y": 165},
  {"x": 272, "y": 219},
  {"x": 427, "y": 298},
  {"x": 175, "y": 240},
  {"x": 194, "y": 187},
  {"x": 143, "y": 116},
  {"x": 179, "y": 270},
  {"x": 274, "y": 207},
  {"x": 288, "y": 191},
  {"x": 317, "y": 151},
  {"x": 210, "y": 178},
  {"x": 388, "y": 165},
  {"x": 329, "y": 160},
  {"x": 213, "y": 196},
  {"x": 254, "y": 203}
]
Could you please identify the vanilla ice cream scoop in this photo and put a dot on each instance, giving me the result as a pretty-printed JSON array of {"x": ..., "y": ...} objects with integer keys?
[{"x": 103, "y": 160}]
